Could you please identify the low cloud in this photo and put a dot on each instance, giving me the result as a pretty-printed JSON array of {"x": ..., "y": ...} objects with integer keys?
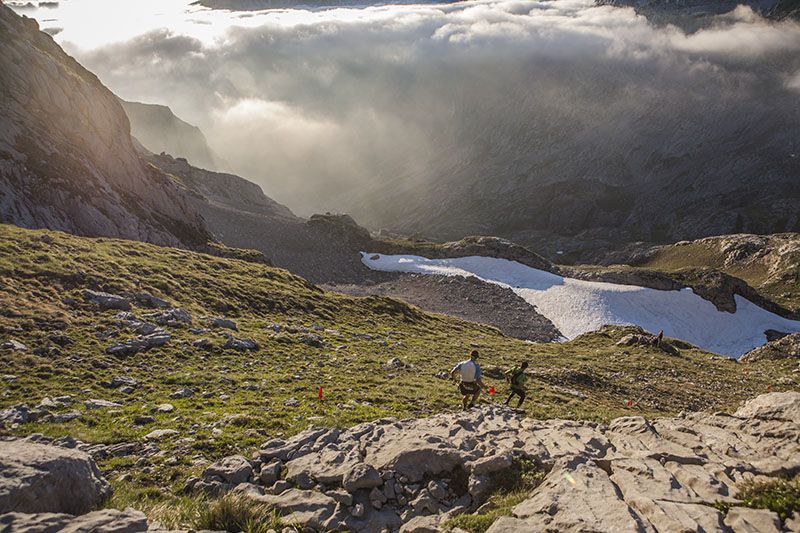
[{"x": 325, "y": 109}]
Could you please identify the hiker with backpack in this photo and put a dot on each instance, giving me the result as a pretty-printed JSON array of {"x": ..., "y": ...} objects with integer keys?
[
  {"x": 470, "y": 383},
  {"x": 516, "y": 378}
]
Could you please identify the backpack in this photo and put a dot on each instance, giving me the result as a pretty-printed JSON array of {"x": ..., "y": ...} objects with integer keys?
[{"x": 513, "y": 376}]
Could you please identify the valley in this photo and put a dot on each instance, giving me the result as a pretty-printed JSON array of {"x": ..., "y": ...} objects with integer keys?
[{"x": 606, "y": 191}]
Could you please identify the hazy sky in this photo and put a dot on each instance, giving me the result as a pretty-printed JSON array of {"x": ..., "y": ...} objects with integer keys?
[{"x": 318, "y": 106}]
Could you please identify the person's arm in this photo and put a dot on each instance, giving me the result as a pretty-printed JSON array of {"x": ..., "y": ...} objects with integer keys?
[
  {"x": 455, "y": 371},
  {"x": 480, "y": 383}
]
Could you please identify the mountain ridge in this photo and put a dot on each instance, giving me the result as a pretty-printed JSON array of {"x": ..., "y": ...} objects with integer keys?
[{"x": 67, "y": 160}]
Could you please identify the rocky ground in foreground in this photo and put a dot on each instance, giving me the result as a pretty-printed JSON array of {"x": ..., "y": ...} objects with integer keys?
[{"x": 694, "y": 472}]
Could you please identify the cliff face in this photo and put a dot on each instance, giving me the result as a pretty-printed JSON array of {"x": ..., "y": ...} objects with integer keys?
[
  {"x": 159, "y": 130},
  {"x": 67, "y": 160}
]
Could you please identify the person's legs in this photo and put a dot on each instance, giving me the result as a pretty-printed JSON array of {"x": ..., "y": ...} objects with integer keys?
[
  {"x": 475, "y": 398},
  {"x": 510, "y": 396},
  {"x": 521, "y": 394}
]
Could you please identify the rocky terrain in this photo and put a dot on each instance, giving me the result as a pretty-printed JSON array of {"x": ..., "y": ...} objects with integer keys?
[
  {"x": 694, "y": 472},
  {"x": 67, "y": 160},
  {"x": 467, "y": 298},
  {"x": 158, "y": 129},
  {"x": 770, "y": 264},
  {"x": 130, "y": 351},
  {"x": 787, "y": 347}
]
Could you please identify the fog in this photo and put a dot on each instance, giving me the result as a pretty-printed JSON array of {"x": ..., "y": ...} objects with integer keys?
[{"x": 357, "y": 109}]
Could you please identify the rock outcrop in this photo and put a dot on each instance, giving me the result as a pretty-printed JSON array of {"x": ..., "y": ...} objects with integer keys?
[
  {"x": 158, "y": 129},
  {"x": 67, "y": 160},
  {"x": 631, "y": 475},
  {"x": 787, "y": 347},
  {"x": 48, "y": 479}
]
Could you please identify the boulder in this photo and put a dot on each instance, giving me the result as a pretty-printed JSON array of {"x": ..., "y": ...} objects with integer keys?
[
  {"x": 182, "y": 393},
  {"x": 148, "y": 300},
  {"x": 105, "y": 300},
  {"x": 776, "y": 405},
  {"x": 241, "y": 345},
  {"x": 122, "y": 381},
  {"x": 104, "y": 521},
  {"x": 138, "y": 344},
  {"x": 270, "y": 473},
  {"x": 100, "y": 404},
  {"x": 38, "y": 478},
  {"x": 16, "y": 414},
  {"x": 160, "y": 434},
  {"x": 233, "y": 470},
  {"x": 226, "y": 323},
  {"x": 170, "y": 317},
  {"x": 361, "y": 476},
  {"x": 309, "y": 509},
  {"x": 14, "y": 346}
]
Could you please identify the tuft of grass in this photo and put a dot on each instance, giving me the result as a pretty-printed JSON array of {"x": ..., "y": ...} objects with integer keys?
[
  {"x": 779, "y": 495},
  {"x": 236, "y": 513},
  {"x": 514, "y": 486}
]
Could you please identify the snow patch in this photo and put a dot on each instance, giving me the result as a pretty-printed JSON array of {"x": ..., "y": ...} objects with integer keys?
[{"x": 576, "y": 306}]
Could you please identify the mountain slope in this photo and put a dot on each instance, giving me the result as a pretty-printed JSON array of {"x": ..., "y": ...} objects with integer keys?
[
  {"x": 67, "y": 160},
  {"x": 769, "y": 263},
  {"x": 305, "y": 338},
  {"x": 159, "y": 130}
]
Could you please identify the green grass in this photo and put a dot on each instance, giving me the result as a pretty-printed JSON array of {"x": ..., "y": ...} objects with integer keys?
[
  {"x": 239, "y": 514},
  {"x": 514, "y": 486},
  {"x": 40, "y": 271},
  {"x": 779, "y": 495},
  {"x": 776, "y": 279}
]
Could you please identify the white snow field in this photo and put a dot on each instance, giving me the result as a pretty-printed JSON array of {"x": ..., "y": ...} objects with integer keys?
[{"x": 576, "y": 306}]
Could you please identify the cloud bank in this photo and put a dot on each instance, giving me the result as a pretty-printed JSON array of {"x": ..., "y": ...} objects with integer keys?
[{"x": 351, "y": 108}]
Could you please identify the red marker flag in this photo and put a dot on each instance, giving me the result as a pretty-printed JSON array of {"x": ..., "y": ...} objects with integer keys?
[
  {"x": 319, "y": 394},
  {"x": 491, "y": 390},
  {"x": 630, "y": 403}
]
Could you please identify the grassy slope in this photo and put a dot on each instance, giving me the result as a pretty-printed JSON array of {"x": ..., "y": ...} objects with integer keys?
[
  {"x": 38, "y": 269},
  {"x": 783, "y": 289}
]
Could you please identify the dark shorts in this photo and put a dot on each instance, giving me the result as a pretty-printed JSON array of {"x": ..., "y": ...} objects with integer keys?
[
  {"x": 468, "y": 388},
  {"x": 519, "y": 391}
]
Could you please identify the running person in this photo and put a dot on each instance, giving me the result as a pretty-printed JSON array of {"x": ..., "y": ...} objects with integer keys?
[{"x": 470, "y": 384}]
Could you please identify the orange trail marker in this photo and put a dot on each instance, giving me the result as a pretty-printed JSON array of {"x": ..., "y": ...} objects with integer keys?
[{"x": 319, "y": 394}]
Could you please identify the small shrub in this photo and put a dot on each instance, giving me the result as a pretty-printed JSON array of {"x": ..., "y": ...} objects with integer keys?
[{"x": 779, "y": 495}]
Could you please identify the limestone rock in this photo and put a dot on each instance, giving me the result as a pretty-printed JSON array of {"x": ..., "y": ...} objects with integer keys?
[
  {"x": 745, "y": 520},
  {"x": 225, "y": 323},
  {"x": 37, "y": 478},
  {"x": 233, "y": 470},
  {"x": 310, "y": 509},
  {"x": 100, "y": 404},
  {"x": 105, "y": 300},
  {"x": 104, "y": 521},
  {"x": 160, "y": 434},
  {"x": 577, "y": 495},
  {"x": 776, "y": 405},
  {"x": 361, "y": 476}
]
